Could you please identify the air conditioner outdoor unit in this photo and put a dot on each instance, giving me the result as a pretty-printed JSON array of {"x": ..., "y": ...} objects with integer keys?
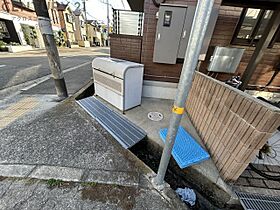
[{"x": 119, "y": 82}]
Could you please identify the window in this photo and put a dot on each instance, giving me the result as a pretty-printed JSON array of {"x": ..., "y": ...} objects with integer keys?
[
  {"x": 56, "y": 17},
  {"x": 251, "y": 26},
  {"x": 69, "y": 18},
  {"x": 4, "y": 33},
  {"x": 53, "y": 16}
]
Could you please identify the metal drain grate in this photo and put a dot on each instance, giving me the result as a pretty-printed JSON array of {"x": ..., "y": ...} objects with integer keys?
[
  {"x": 124, "y": 131},
  {"x": 258, "y": 202}
]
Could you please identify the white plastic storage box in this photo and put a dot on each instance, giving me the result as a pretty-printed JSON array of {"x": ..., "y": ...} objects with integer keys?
[{"x": 118, "y": 81}]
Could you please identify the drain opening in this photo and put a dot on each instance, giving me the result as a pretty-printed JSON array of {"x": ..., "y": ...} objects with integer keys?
[
  {"x": 150, "y": 154},
  {"x": 155, "y": 116}
]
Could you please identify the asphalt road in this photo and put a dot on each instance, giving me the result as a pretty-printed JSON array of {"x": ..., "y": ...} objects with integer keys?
[
  {"x": 17, "y": 70},
  {"x": 75, "y": 80}
]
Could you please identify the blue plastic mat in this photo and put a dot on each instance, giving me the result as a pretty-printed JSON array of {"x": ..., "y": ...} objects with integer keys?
[{"x": 186, "y": 150}]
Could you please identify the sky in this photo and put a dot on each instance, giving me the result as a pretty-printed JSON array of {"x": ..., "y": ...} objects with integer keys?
[{"x": 97, "y": 10}]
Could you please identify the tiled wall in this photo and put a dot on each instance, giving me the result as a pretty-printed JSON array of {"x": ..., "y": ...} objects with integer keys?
[{"x": 232, "y": 124}]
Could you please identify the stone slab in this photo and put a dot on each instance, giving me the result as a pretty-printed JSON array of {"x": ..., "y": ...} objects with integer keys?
[
  {"x": 55, "y": 172},
  {"x": 14, "y": 170},
  {"x": 113, "y": 177}
]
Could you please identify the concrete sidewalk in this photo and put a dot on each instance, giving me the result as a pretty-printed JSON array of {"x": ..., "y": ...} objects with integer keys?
[{"x": 64, "y": 143}]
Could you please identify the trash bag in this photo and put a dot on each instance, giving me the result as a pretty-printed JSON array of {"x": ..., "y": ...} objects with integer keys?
[{"x": 187, "y": 195}]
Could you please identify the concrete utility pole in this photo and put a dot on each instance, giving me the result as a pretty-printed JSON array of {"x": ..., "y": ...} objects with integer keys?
[
  {"x": 199, "y": 26},
  {"x": 45, "y": 26}
]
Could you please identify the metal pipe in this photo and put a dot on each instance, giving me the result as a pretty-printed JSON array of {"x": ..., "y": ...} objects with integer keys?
[
  {"x": 108, "y": 20},
  {"x": 199, "y": 26}
]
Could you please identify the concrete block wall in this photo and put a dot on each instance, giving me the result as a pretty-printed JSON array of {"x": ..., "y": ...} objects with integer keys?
[
  {"x": 126, "y": 47},
  {"x": 232, "y": 124}
]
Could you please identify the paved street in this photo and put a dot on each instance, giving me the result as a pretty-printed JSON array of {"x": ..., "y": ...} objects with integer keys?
[
  {"x": 44, "y": 142},
  {"x": 19, "y": 68}
]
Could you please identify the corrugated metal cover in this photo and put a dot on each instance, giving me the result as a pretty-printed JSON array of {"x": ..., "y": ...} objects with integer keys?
[
  {"x": 124, "y": 131},
  {"x": 258, "y": 202}
]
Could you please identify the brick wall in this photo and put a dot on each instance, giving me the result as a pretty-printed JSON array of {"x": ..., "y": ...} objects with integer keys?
[
  {"x": 227, "y": 20},
  {"x": 224, "y": 29},
  {"x": 126, "y": 47},
  {"x": 233, "y": 125},
  {"x": 156, "y": 71}
]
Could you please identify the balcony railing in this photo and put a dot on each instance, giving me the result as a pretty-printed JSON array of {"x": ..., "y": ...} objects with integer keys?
[{"x": 128, "y": 22}]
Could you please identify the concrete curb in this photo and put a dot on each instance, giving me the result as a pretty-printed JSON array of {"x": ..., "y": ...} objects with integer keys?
[{"x": 69, "y": 174}]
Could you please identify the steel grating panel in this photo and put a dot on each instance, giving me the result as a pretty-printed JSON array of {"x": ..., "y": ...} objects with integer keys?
[
  {"x": 124, "y": 131},
  {"x": 258, "y": 202}
]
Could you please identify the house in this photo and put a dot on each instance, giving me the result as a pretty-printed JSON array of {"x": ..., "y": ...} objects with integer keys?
[
  {"x": 81, "y": 29},
  {"x": 94, "y": 34},
  {"x": 238, "y": 25},
  {"x": 67, "y": 23},
  {"x": 19, "y": 23},
  {"x": 233, "y": 125},
  {"x": 54, "y": 16}
]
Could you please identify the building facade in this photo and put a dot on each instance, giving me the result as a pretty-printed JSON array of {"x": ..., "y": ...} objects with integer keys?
[
  {"x": 94, "y": 34},
  {"x": 237, "y": 26},
  {"x": 54, "y": 16},
  {"x": 67, "y": 23},
  {"x": 19, "y": 23},
  {"x": 81, "y": 29}
]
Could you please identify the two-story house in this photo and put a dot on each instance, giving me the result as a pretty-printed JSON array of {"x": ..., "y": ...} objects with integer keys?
[
  {"x": 81, "y": 28},
  {"x": 67, "y": 23}
]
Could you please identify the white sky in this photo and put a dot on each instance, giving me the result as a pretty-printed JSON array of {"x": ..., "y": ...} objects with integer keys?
[{"x": 98, "y": 10}]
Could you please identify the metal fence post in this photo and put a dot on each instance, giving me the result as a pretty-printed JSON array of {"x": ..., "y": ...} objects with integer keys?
[{"x": 199, "y": 26}]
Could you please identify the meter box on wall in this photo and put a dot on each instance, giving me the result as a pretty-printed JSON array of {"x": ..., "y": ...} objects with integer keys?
[
  {"x": 173, "y": 31},
  {"x": 225, "y": 59}
]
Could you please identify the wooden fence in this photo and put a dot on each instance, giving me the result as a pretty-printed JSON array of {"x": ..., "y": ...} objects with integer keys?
[{"x": 232, "y": 124}]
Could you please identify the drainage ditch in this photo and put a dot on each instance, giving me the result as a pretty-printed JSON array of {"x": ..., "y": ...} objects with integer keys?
[{"x": 150, "y": 154}]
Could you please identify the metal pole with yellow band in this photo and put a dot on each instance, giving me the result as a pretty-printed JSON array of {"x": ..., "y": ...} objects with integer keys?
[{"x": 199, "y": 26}]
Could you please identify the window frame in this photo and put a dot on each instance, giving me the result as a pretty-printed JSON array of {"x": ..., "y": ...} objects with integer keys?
[{"x": 252, "y": 42}]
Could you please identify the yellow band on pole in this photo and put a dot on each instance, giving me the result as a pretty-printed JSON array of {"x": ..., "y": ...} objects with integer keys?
[{"x": 178, "y": 110}]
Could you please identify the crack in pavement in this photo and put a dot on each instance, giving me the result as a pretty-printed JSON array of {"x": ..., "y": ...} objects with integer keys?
[{"x": 20, "y": 203}]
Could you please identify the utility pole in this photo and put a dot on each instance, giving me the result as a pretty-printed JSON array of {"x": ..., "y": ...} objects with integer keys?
[
  {"x": 45, "y": 26},
  {"x": 199, "y": 26},
  {"x": 108, "y": 21},
  {"x": 85, "y": 11}
]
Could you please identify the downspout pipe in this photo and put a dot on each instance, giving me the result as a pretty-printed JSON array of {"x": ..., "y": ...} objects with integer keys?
[{"x": 198, "y": 30}]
